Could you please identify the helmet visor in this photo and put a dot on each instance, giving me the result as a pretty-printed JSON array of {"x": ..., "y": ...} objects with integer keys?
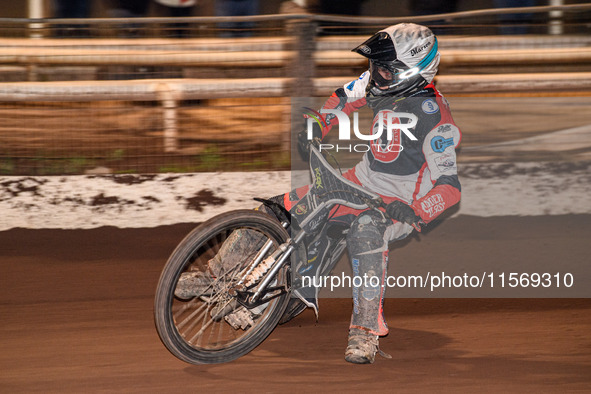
[{"x": 385, "y": 74}]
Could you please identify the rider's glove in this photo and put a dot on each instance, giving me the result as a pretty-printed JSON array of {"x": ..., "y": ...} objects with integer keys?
[
  {"x": 304, "y": 142},
  {"x": 404, "y": 213}
]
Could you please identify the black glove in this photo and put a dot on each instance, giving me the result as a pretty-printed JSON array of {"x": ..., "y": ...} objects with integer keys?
[
  {"x": 402, "y": 212},
  {"x": 304, "y": 143}
]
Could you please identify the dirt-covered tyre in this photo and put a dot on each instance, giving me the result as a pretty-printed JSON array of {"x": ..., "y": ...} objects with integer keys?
[{"x": 197, "y": 317}]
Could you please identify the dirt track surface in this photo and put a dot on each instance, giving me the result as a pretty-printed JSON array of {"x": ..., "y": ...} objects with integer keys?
[{"x": 76, "y": 312}]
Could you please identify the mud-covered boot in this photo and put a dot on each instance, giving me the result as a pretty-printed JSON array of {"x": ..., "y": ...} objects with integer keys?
[{"x": 362, "y": 347}]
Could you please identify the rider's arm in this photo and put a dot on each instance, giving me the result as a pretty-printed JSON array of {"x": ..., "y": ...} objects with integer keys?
[
  {"x": 439, "y": 150},
  {"x": 348, "y": 99}
]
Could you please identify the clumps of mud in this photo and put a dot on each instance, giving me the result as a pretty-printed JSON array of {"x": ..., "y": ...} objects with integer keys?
[
  {"x": 15, "y": 187},
  {"x": 203, "y": 198}
]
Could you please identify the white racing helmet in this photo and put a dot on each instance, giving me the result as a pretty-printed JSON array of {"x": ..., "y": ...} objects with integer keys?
[{"x": 403, "y": 58}]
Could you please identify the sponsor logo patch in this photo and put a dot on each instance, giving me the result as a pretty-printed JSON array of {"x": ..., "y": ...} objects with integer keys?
[
  {"x": 313, "y": 224},
  {"x": 365, "y": 49},
  {"x": 445, "y": 162},
  {"x": 301, "y": 209},
  {"x": 318, "y": 177},
  {"x": 444, "y": 128},
  {"x": 439, "y": 143},
  {"x": 430, "y": 106},
  {"x": 433, "y": 205}
]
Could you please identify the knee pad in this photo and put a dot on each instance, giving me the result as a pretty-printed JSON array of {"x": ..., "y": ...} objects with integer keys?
[{"x": 367, "y": 233}]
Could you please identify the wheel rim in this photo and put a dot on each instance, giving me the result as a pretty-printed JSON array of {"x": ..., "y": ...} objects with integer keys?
[{"x": 192, "y": 319}]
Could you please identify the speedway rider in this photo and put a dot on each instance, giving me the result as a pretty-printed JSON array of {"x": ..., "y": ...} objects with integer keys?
[{"x": 418, "y": 181}]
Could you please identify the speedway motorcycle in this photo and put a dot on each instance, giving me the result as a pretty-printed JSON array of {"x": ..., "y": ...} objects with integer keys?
[{"x": 234, "y": 308}]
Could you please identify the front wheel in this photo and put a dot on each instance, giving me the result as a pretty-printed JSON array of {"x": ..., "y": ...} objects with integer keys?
[{"x": 205, "y": 324}]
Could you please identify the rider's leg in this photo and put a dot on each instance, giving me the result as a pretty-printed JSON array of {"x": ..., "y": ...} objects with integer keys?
[
  {"x": 369, "y": 259},
  {"x": 368, "y": 248}
]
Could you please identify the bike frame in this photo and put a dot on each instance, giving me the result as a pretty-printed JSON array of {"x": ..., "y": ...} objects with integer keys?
[{"x": 328, "y": 189}]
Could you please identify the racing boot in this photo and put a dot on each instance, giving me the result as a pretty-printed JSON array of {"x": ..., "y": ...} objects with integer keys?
[{"x": 362, "y": 346}]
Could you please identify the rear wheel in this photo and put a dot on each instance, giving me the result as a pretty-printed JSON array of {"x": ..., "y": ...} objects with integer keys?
[{"x": 210, "y": 326}]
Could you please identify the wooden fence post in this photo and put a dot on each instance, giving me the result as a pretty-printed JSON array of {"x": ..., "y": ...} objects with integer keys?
[{"x": 300, "y": 70}]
